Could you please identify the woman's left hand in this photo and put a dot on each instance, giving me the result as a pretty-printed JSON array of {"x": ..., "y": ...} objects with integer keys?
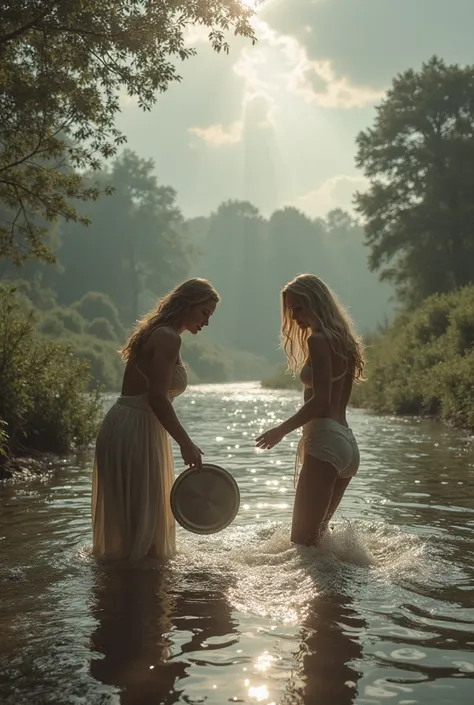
[{"x": 270, "y": 438}]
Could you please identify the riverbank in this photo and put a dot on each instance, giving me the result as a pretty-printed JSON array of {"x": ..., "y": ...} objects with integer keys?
[
  {"x": 46, "y": 407},
  {"x": 281, "y": 379},
  {"x": 21, "y": 468},
  {"x": 423, "y": 364}
]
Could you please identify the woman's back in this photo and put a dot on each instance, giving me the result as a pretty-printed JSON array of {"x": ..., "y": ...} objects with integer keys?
[
  {"x": 341, "y": 386},
  {"x": 342, "y": 381},
  {"x": 139, "y": 369}
]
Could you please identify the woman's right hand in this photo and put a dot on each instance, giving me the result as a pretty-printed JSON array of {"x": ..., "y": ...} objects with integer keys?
[{"x": 192, "y": 455}]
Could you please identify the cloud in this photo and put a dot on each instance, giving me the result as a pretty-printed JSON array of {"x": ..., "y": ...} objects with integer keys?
[
  {"x": 277, "y": 68},
  {"x": 257, "y": 113},
  {"x": 280, "y": 63},
  {"x": 336, "y": 192},
  {"x": 317, "y": 83},
  {"x": 196, "y": 34},
  {"x": 219, "y": 135},
  {"x": 369, "y": 41}
]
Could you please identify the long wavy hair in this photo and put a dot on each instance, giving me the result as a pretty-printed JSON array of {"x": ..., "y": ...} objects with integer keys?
[
  {"x": 171, "y": 310},
  {"x": 333, "y": 321}
]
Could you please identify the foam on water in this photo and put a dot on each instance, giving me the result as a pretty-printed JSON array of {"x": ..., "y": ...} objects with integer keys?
[
  {"x": 272, "y": 578},
  {"x": 263, "y": 574}
]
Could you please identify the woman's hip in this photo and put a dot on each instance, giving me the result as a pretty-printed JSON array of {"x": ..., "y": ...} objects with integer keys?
[{"x": 330, "y": 442}]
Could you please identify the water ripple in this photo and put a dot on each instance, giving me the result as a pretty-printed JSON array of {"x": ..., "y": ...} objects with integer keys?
[{"x": 383, "y": 611}]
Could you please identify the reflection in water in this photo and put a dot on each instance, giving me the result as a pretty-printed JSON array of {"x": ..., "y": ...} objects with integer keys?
[
  {"x": 137, "y": 613},
  {"x": 202, "y": 610},
  {"x": 382, "y": 612},
  {"x": 331, "y": 650},
  {"x": 130, "y": 644}
]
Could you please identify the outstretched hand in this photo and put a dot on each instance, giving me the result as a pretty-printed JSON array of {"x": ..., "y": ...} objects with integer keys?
[{"x": 269, "y": 438}]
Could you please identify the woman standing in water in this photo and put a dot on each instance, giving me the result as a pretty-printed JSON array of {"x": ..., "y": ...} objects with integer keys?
[
  {"x": 319, "y": 343},
  {"x": 133, "y": 469}
]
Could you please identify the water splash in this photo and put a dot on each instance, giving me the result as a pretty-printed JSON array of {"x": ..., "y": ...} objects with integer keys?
[{"x": 272, "y": 578}]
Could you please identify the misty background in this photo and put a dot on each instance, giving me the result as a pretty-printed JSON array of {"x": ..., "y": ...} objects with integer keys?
[{"x": 245, "y": 173}]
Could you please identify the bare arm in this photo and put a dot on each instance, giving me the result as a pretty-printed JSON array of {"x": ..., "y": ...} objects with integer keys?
[
  {"x": 165, "y": 352},
  {"x": 317, "y": 405},
  {"x": 316, "y": 402}
]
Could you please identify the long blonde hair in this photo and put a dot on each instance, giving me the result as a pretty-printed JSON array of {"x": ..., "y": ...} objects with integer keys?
[
  {"x": 169, "y": 311},
  {"x": 333, "y": 321}
]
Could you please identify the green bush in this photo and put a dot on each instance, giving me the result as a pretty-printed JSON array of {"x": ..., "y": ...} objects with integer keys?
[
  {"x": 57, "y": 321},
  {"x": 94, "y": 305},
  {"x": 70, "y": 318},
  {"x": 101, "y": 328},
  {"x": 51, "y": 326},
  {"x": 31, "y": 290},
  {"x": 106, "y": 366},
  {"x": 44, "y": 398},
  {"x": 100, "y": 352},
  {"x": 424, "y": 363},
  {"x": 281, "y": 379},
  {"x": 208, "y": 361}
]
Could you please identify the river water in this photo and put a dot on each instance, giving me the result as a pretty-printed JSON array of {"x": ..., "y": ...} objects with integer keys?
[{"x": 383, "y": 612}]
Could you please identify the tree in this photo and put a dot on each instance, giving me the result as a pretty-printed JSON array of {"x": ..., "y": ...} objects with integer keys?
[
  {"x": 250, "y": 259},
  {"x": 419, "y": 158},
  {"x": 233, "y": 261},
  {"x": 135, "y": 248},
  {"x": 95, "y": 305},
  {"x": 63, "y": 66}
]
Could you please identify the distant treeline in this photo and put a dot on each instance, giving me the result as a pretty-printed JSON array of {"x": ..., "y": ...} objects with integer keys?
[{"x": 138, "y": 245}]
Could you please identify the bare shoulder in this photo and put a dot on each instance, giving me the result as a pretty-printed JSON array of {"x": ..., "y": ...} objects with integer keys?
[
  {"x": 318, "y": 344},
  {"x": 320, "y": 356},
  {"x": 165, "y": 339}
]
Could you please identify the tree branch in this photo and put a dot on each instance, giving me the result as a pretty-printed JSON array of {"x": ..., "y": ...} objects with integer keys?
[{"x": 29, "y": 25}]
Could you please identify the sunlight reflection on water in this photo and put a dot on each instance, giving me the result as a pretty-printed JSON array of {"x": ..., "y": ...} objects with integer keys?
[{"x": 383, "y": 611}]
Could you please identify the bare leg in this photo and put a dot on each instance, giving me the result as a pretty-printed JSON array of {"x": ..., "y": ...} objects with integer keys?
[
  {"x": 340, "y": 487},
  {"x": 341, "y": 484},
  {"x": 312, "y": 501}
]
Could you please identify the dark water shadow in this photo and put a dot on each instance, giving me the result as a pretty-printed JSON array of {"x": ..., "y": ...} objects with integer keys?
[
  {"x": 330, "y": 651},
  {"x": 130, "y": 645},
  {"x": 151, "y": 630},
  {"x": 329, "y": 658}
]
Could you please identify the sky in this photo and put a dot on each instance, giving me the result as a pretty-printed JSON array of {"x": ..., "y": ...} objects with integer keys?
[{"x": 276, "y": 123}]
